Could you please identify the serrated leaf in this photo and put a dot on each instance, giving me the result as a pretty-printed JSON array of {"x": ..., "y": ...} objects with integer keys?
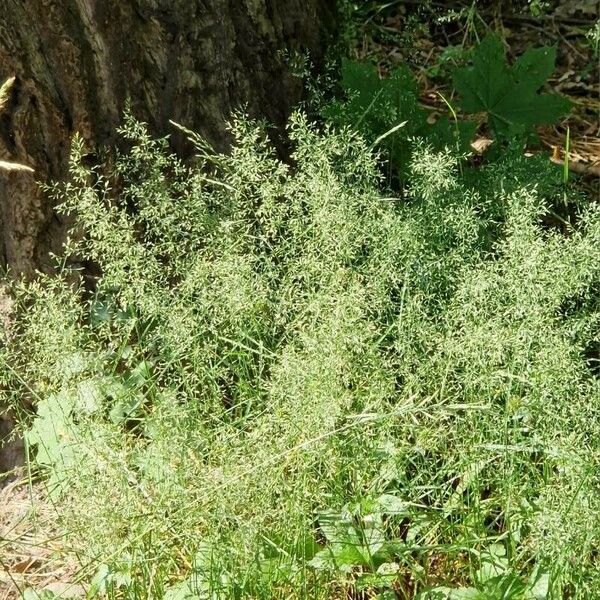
[
  {"x": 126, "y": 408},
  {"x": 496, "y": 550},
  {"x": 374, "y": 536},
  {"x": 31, "y": 594},
  {"x": 333, "y": 527},
  {"x": 509, "y": 585},
  {"x": 491, "y": 568},
  {"x": 51, "y": 431},
  {"x": 140, "y": 375},
  {"x": 523, "y": 108},
  {"x": 535, "y": 65},
  {"x": 466, "y": 594},
  {"x": 345, "y": 545},
  {"x": 342, "y": 558},
  {"x": 385, "y": 111},
  {"x": 89, "y": 396},
  {"x": 368, "y": 581},
  {"x": 322, "y": 560},
  {"x": 487, "y": 81},
  {"x": 509, "y": 94},
  {"x": 388, "y": 568},
  {"x": 98, "y": 583},
  {"x": 385, "y": 595},
  {"x": 360, "y": 77},
  {"x": 73, "y": 364}
]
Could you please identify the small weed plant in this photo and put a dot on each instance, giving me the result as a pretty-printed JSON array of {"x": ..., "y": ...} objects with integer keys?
[{"x": 288, "y": 384}]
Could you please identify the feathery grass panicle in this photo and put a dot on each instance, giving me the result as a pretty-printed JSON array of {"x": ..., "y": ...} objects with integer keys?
[{"x": 287, "y": 385}]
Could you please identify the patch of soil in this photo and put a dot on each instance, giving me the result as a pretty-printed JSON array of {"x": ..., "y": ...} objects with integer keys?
[{"x": 31, "y": 550}]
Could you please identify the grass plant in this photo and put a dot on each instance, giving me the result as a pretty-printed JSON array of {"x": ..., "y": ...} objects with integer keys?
[{"x": 288, "y": 384}]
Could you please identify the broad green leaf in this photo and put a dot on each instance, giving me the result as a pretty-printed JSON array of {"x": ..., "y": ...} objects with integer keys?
[
  {"x": 346, "y": 558},
  {"x": 99, "y": 581},
  {"x": 508, "y": 587},
  {"x": 275, "y": 569},
  {"x": 344, "y": 542},
  {"x": 388, "y": 568},
  {"x": 360, "y": 78},
  {"x": 536, "y": 65},
  {"x": 384, "y": 577},
  {"x": 466, "y": 594},
  {"x": 89, "y": 396},
  {"x": 126, "y": 408},
  {"x": 374, "y": 536},
  {"x": 385, "y": 111},
  {"x": 100, "y": 312},
  {"x": 53, "y": 434},
  {"x": 496, "y": 550},
  {"x": 74, "y": 364},
  {"x": 491, "y": 568},
  {"x": 369, "y": 581},
  {"x": 181, "y": 591},
  {"x": 52, "y": 431},
  {"x": 392, "y": 505},
  {"x": 509, "y": 94},
  {"x": 322, "y": 561},
  {"x": 447, "y": 593},
  {"x": 484, "y": 84},
  {"x": 539, "y": 586},
  {"x": 524, "y": 108},
  {"x": 342, "y": 558},
  {"x": 31, "y": 594},
  {"x": 385, "y": 595},
  {"x": 106, "y": 576},
  {"x": 333, "y": 527},
  {"x": 140, "y": 375}
]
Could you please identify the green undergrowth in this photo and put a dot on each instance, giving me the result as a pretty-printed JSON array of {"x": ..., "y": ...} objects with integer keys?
[
  {"x": 504, "y": 98},
  {"x": 290, "y": 383}
]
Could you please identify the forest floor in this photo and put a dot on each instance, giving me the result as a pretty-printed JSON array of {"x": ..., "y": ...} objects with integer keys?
[
  {"x": 30, "y": 544},
  {"x": 435, "y": 36}
]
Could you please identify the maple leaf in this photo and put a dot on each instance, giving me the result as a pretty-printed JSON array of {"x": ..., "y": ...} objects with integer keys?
[{"x": 509, "y": 94}]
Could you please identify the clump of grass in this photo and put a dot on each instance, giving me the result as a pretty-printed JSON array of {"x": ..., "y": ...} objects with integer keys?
[{"x": 268, "y": 344}]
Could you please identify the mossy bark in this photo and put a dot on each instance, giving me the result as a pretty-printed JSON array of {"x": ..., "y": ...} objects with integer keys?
[{"x": 76, "y": 62}]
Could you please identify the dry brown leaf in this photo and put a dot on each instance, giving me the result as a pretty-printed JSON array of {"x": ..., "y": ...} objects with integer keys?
[
  {"x": 480, "y": 145},
  {"x": 24, "y": 566}
]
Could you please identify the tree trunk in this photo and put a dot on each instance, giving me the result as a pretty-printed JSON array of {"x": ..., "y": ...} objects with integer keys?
[{"x": 76, "y": 62}]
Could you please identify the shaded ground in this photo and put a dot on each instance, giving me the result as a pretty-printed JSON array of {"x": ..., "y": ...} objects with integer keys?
[{"x": 432, "y": 37}]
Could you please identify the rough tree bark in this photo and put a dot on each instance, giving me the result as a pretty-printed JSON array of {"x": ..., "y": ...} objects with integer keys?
[{"x": 77, "y": 61}]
